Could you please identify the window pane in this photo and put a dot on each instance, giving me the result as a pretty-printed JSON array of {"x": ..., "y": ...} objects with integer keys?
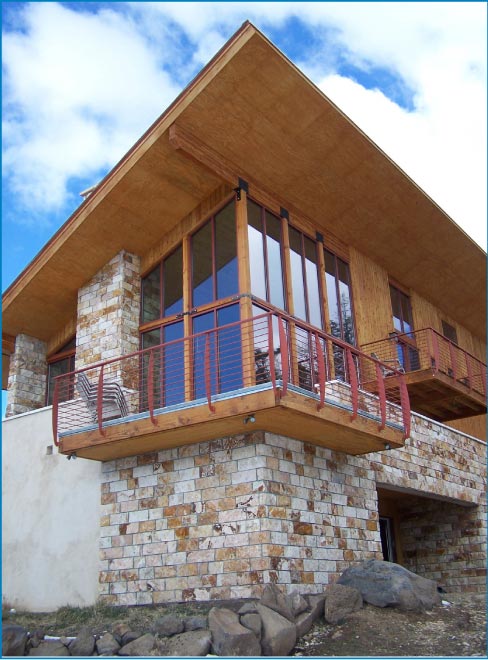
[
  {"x": 151, "y": 296},
  {"x": 200, "y": 324},
  {"x": 275, "y": 273},
  {"x": 449, "y": 332},
  {"x": 173, "y": 283},
  {"x": 407, "y": 313},
  {"x": 173, "y": 370},
  {"x": 396, "y": 307},
  {"x": 65, "y": 386},
  {"x": 230, "y": 346},
  {"x": 314, "y": 304},
  {"x": 346, "y": 312},
  {"x": 202, "y": 266},
  {"x": 332, "y": 301},
  {"x": 226, "y": 252},
  {"x": 256, "y": 262},
  {"x": 297, "y": 282},
  {"x": 149, "y": 340}
]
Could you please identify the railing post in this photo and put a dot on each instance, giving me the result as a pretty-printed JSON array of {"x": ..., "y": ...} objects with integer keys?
[
  {"x": 435, "y": 349},
  {"x": 381, "y": 395},
  {"x": 100, "y": 401},
  {"x": 321, "y": 366},
  {"x": 405, "y": 406},
  {"x": 353, "y": 381},
  {"x": 150, "y": 387},
  {"x": 284, "y": 356},
  {"x": 272, "y": 370},
  {"x": 208, "y": 380},
  {"x": 55, "y": 412}
]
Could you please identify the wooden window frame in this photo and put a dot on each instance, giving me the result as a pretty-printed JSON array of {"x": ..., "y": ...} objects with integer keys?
[{"x": 62, "y": 354}]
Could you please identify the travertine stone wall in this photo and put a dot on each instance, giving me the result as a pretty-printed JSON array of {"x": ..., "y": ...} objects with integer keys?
[
  {"x": 27, "y": 376},
  {"x": 220, "y": 519},
  {"x": 108, "y": 312}
]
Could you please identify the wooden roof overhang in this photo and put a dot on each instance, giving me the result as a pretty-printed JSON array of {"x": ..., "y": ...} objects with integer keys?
[{"x": 252, "y": 114}]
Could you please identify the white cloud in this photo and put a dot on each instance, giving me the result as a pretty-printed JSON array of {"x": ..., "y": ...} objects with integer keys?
[{"x": 82, "y": 86}]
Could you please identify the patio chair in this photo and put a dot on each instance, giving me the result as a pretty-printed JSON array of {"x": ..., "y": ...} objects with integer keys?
[
  {"x": 114, "y": 404},
  {"x": 397, "y": 366}
]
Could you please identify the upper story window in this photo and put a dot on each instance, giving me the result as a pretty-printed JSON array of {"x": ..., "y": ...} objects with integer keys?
[
  {"x": 266, "y": 255},
  {"x": 339, "y": 298},
  {"x": 162, "y": 289},
  {"x": 449, "y": 332},
  {"x": 402, "y": 310},
  {"x": 62, "y": 362},
  {"x": 214, "y": 258},
  {"x": 305, "y": 278}
]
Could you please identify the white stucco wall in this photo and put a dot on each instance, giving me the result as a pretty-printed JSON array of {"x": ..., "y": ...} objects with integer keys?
[{"x": 50, "y": 519}]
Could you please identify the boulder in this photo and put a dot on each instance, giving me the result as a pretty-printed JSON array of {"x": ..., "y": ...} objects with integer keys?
[
  {"x": 276, "y": 600},
  {"x": 386, "y": 584},
  {"x": 168, "y": 625},
  {"x": 297, "y": 603},
  {"x": 341, "y": 600},
  {"x": 229, "y": 637},
  {"x": 316, "y": 604},
  {"x": 107, "y": 645},
  {"x": 279, "y": 635},
  {"x": 193, "y": 643},
  {"x": 14, "y": 639},
  {"x": 304, "y": 623},
  {"x": 252, "y": 620},
  {"x": 84, "y": 644},
  {"x": 130, "y": 636},
  {"x": 196, "y": 623},
  {"x": 140, "y": 646},
  {"x": 248, "y": 608},
  {"x": 50, "y": 649}
]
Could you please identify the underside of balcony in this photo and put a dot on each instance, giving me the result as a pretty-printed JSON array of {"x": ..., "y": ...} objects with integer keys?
[{"x": 295, "y": 415}]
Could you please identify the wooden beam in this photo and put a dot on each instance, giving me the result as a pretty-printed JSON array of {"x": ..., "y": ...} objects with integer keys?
[{"x": 8, "y": 344}]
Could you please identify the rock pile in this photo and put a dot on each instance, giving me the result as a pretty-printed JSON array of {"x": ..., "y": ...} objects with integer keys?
[{"x": 268, "y": 627}]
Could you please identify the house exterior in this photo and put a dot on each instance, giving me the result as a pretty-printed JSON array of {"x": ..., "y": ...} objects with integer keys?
[{"x": 266, "y": 343}]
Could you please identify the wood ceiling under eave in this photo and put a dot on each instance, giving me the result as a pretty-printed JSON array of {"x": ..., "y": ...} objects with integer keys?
[
  {"x": 261, "y": 113},
  {"x": 160, "y": 189}
]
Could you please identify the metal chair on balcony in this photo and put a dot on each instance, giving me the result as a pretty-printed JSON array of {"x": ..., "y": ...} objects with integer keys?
[
  {"x": 398, "y": 367},
  {"x": 113, "y": 401}
]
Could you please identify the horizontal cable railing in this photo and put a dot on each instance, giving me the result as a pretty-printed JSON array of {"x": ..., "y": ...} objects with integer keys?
[
  {"x": 427, "y": 349},
  {"x": 269, "y": 351}
]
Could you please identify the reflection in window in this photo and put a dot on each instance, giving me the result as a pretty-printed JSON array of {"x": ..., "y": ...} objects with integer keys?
[
  {"x": 162, "y": 289},
  {"x": 169, "y": 366},
  {"x": 403, "y": 323},
  {"x": 339, "y": 298},
  {"x": 224, "y": 348},
  {"x": 61, "y": 363},
  {"x": 265, "y": 255},
  {"x": 305, "y": 278},
  {"x": 214, "y": 258}
]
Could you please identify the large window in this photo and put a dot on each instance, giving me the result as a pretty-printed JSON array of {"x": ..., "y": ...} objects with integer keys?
[
  {"x": 407, "y": 352},
  {"x": 339, "y": 298},
  {"x": 214, "y": 258},
  {"x": 168, "y": 374},
  {"x": 63, "y": 362},
  {"x": 265, "y": 255},
  {"x": 162, "y": 289},
  {"x": 305, "y": 278}
]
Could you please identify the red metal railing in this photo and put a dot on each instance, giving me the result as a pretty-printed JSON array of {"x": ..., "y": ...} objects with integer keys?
[
  {"x": 268, "y": 351},
  {"x": 427, "y": 349}
]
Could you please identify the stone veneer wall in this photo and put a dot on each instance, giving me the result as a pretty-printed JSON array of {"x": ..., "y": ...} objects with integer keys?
[
  {"x": 108, "y": 312},
  {"x": 444, "y": 542},
  {"x": 27, "y": 376},
  {"x": 219, "y": 519}
]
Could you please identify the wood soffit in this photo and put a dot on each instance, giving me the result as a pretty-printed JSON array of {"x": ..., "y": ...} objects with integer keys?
[{"x": 251, "y": 113}]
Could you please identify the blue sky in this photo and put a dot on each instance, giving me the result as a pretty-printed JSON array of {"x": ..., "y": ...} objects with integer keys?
[{"x": 83, "y": 80}]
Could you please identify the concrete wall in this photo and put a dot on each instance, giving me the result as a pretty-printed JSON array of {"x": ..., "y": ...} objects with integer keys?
[{"x": 51, "y": 516}]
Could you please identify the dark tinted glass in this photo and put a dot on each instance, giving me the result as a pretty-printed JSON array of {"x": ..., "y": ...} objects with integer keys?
[
  {"x": 297, "y": 274},
  {"x": 151, "y": 296},
  {"x": 256, "y": 250},
  {"x": 173, "y": 365},
  {"x": 226, "y": 252},
  {"x": 201, "y": 345},
  {"x": 230, "y": 349},
  {"x": 202, "y": 266},
  {"x": 314, "y": 304},
  {"x": 173, "y": 283},
  {"x": 275, "y": 271}
]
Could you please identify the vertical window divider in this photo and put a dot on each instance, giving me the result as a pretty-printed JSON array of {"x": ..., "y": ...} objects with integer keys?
[
  {"x": 187, "y": 329},
  {"x": 245, "y": 302},
  {"x": 287, "y": 277}
]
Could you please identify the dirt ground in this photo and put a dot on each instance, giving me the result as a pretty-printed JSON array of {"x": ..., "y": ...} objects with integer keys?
[{"x": 458, "y": 628}]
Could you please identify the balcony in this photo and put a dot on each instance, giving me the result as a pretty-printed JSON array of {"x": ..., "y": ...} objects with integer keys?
[
  {"x": 444, "y": 382},
  {"x": 267, "y": 373}
]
